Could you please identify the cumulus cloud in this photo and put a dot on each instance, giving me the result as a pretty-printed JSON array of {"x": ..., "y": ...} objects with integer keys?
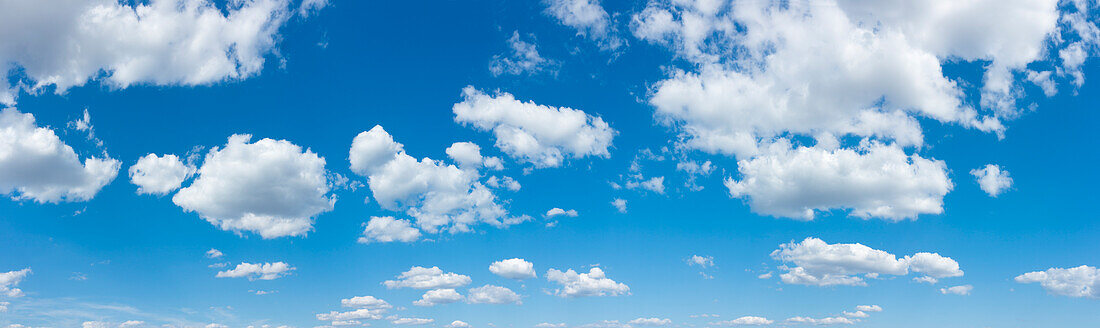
[
  {"x": 558, "y": 211},
  {"x": 438, "y": 195},
  {"x": 385, "y": 229},
  {"x": 261, "y": 271},
  {"x": 490, "y": 294},
  {"x": 818, "y": 263},
  {"x": 365, "y": 313},
  {"x": 537, "y": 134},
  {"x": 524, "y": 59},
  {"x": 593, "y": 283},
  {"x": 619, "y": 204},
  {"x": 1082, "y": 281},
  {"x": 412, "y": 321},
  {"x": 550, "y": 325},
  {"x": 701, "y": 261},
  {"x": 365, "y": 302},
  {"x": 270, "y": 187},
  {"x": 822, "y": 321},
  {"x": 458, "y": 324},
  {"x": 745, "y": 321},
  {"x": 438, "y": 296},
  {"x": 214, "y": 253},
  {"x": 515, "y": 268},
  {"x": 427, "y": 278},
  {"x": 36, "y": 165},
  {"x": 159, "y": 175},
  {"x": 651, "y": 322},
  {"x": 588, "y": 18},
  {"x": 10, "y": 279},
  {"x": 468, "y": 155},
  {"x": 873, "y": 181},
  {"x": 66, "y": 43},
  {"x": 992, "y": 179},
  {"x": 869, "y": 308},
  {"x": 957, "y": 290}
]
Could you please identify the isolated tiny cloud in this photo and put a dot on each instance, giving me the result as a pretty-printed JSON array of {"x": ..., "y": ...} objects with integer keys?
[
  {"x": 1081, "y": 281},
  {"x": 957, "y": 290},
  {"x": 992, "y": 179},
  {"x": 36, "y": 165},
  {"x": 593, "y": 283},
  {"x": 270, "y": 187},
  {"x": 537, "y": 134},
  {"x": 818, "y": 263},
  {"x": 254, "y": 271},
  {"x": 427, "y": 278},
  {"x": 515, "y": 268}
]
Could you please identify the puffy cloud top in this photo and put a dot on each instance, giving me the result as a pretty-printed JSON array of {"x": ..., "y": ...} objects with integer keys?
[
  {"x": 261, "y": 271},
  {"x": 160, "y": 175},
  {"x": 821, "y": 264},
  {"x": 427, "y": 278},
  {"x": 516, "y": 268},
  {"x": 1082, "y": 281},
  {"x": 593, "y": 283}
]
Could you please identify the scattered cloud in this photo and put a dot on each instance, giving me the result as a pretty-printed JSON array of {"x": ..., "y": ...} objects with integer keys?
[
  {"x": 818, "y": 263},
  {"x": 10, "y": 279},
  {"x": 385, "y": 229},
  {"x": 1081, "y": 281},
  {"x": 593, "y": 283},
  {"x": 261, "y": 271},
  {"x": 957, "y": 290},
  {"x": 992, "y": 179},
  {"x": 438, "y": 296},
  {"x": 160, "y": 175},
  {"x": 524, "y": 59},
  {"x": 427, "y": 278},
  {"x": 515, "y": 268},
  {"x": 490, "y": 294}
]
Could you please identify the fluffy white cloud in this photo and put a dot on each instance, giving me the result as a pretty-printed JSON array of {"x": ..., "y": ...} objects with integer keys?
[
  {"x": 438, "y": 296},
  {"x": 386, "y": 229},
  {"x": 874, "y": 181},
  {"x": 516, "y": 268},
  {"x": 650, "y": 322},
  {"x": 558, "y": 211},
  {"x": 524, "y": 59},
  {"x": 412, "y": 321},
  {"x": 869, "y": 308},
  {"x": 1082, "y": 281},
  {"x": 10, "y": 279},
  {"x": 65, "y": 43},
  {"x": 214, "y": 253},
  {"x": 745, "y": 321},
  {"x": 505, "y": 182},
  {"x": 490, "y": 294},
  {"x": 957, "y": 290},
  {"x": 588, "y": 18},
  {"x": 36, "y": 165},
  {"x": 261, "y": 271},
  {"x": 436, "y": 194},
  {"x": 821, "y": 264},
  {"x": 366, "y": 313},
  {"x": 702, "y": 261},
  {"x": 619, "y": 204},
  {"x": 858, "y": 314},
  {"x": 270, "y": 187},
  {"x": 458, "y": 324},
  {"x": 365, "y": 302},
  {"x": 823, "y": 321},
  {"x": 160, "y": 175},
  {"x": 593, "y": 283},
  {"x": 654, "y": 184},
  {"x": 427, "y": 278},
  {"x": 537, "y": 134},
  {"x": 992, "y": 179}
]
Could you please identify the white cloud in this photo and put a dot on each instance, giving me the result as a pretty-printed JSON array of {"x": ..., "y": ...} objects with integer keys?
[
  {"x": 458, "y": 324},
  {"x": 745, "y": 321},
  {"x": 588, "y": 18},
  {"x": 821, "y": 264},
  {"x": 524, "y": 59},
  {"x": 857, "y": 314},
  {"x": 619, "y": 204},
  {"x": 367, "y": 313},
  {"x": 412, "y": 321},
  {"x": 365, "y": 302},
  {"x": 515, "y": 268},
  {"x": 4, "y": 307},
  {"x": 654, "y": 184},
  {"x": 869, "y": 308},
  {"x": 270, "y": 187},
  {"x": 823, "y": 321},
  {"x": 593, "y": 283},
  {"x": 505, "y": 182},
  {"x": 159, "y": 175},
  {"x": 36, "y": 165},
  {"x": 10, "y": 279},
  {"x": 873, "y": 181},
  {"x": 163, "y": 42},
  {"x": 957, "y": 290},
  {"x": 438, "y": 296},
  {"x": 436, "y": 194},
  {"x": 214, "y": 253},
  {"x": 1082, "y": 281},
  {"x": 490, "y": 294},
  {"x": 537, "y": 134},
  {"x": 558, "y": 211},
  {"x": 261, "y": 271},
  {"x": 992, "y": 179},
  {"x": 385, "y": 229},
  {"x": 550, "y": 325},
  {"x": 95, "y": 324},
  {"x": 702, "y": 261},
  {"x": 650, "y": 322},
  {"x": 131, "y": 323},
  {"x": 427, "y": 278}
]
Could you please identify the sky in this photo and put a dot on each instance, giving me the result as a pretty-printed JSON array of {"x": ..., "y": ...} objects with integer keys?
[{"x": 548, "y": 164}]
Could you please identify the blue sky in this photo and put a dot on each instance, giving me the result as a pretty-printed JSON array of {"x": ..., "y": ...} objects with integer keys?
[{"x": 714, "y": 164}]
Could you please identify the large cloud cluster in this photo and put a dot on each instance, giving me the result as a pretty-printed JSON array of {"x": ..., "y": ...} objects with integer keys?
[{"x": 818, "y": 263}]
